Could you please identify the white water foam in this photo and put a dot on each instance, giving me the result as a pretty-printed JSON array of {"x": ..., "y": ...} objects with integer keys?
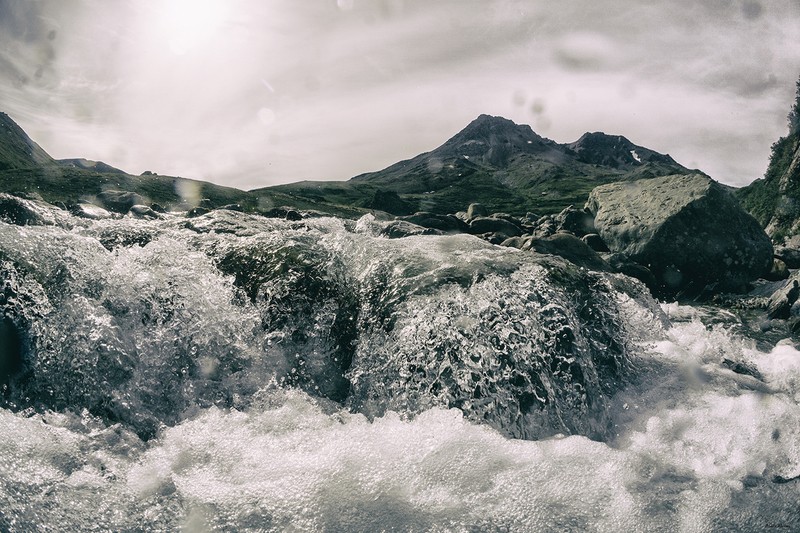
[{"x": 700, "y": 448}]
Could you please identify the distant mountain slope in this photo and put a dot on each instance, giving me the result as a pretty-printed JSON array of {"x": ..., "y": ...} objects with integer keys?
[
  {"x": 26, "y": 168},
  {"x": 504, "y": 165},
  {"x": 507, "y": 167},
  {"x": 87, "y": 164},
  {"x": 17, "y": 150}
]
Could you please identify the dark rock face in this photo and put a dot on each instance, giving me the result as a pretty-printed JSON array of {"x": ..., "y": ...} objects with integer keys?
[{"x": 687, "y": 229}]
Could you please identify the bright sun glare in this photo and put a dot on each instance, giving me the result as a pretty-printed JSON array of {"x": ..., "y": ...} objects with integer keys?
[{"x": 190, "y": 23}]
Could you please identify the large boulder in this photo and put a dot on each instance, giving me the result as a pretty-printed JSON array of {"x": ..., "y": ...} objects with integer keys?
[{"x": 689, "y": 230}]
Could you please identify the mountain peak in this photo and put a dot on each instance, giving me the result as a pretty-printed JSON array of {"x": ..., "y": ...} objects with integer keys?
[
  {"x": 491, "y": 140},
  {"x": 614, "y": 151},
  {"x": 486, "y": 126}
]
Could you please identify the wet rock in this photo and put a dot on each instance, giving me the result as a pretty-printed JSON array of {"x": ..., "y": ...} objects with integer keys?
[
  {"x": 122, "y": 236},
  {"x": 595, "y": 242},
  {"x": 158, "y": 208},
  {"x": 781, "y": 302},
  {"x": 233, "y": 207},
  {"x": 293, "y": 215},
  {"x": 196, "y": 212},
  {"x": 10, "y": 350},
  {"x": 120, "y": 201},
  {"x": 570, "y": 248},
  {"x": 687, "y": 229},
  {"x": 620, "y": 263},
  {"x": 401, "y": 228},
  {"x": 90, "y": 211},
  {"x": 494, "y": 225},
  {"x": 743, "y": 368},
  {"x": 142, "y": 211},
  {"x": 24, "y": 212}
]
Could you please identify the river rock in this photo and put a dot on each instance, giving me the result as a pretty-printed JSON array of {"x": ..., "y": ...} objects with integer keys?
[
  {"x": 781, "y": 302},
  {"x": 24, "y": 212},
  {"x": 570, "y": 248},
  {"x": 687, "y": 229},
  {"x": 446, "y": 223},
  {"x": 595, "y": 242},
  {"x": 197, "y": 212},
  {"x": 120, "y": 201},
  {"x": 90, "y": 211},
  {"x": 790, "y": 255},
  {"x": 494, "y": 225},
  {"x": 477, "y": 210},
  {"x": 579, "y": 222},
  {"x": 778, "y": 271},
  {"x": 400, "y": 228},
  {"x": 143, "y": 211}
]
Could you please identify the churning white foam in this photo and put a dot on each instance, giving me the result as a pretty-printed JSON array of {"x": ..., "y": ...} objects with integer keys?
[{"x": 699, "y": 448}]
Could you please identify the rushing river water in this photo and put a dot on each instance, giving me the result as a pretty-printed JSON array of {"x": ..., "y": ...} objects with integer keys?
[{"x": 235, "y": 373}]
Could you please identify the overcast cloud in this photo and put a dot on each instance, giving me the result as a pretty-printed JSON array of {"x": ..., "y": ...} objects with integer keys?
[{"x": 250, "y": 93}]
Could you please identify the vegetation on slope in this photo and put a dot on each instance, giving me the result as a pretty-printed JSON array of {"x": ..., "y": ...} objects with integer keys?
[{"x": 774, "y": 200}]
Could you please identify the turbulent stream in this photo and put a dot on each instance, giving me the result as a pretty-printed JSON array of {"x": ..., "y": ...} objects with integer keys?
[{"x": 236, "y": 373}]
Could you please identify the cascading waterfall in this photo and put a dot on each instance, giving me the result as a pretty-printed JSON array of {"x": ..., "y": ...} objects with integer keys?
[{"x": 231, "y": 372}]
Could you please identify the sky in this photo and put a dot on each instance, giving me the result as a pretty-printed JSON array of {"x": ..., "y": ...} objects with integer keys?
[{"x": 251, "y": 93}]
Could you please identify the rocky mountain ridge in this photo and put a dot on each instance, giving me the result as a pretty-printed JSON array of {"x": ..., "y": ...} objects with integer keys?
[{"x": 504, "y": 165}]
